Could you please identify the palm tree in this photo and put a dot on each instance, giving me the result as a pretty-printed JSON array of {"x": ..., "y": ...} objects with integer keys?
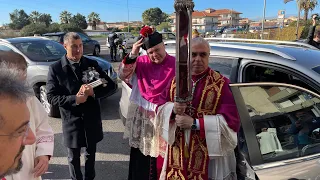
[
  {"x": 94, "y": 19},
  {"x": 35, "y": 17},
  {"x": 65, "y": 17},
  {"x": 306, "y": 6}
]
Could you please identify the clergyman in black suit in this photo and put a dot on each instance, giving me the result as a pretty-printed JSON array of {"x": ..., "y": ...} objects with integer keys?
[{"x": 68, "y": 88}]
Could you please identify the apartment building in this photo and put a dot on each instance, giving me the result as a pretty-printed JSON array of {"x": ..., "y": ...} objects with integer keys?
[{"x": 210, "y": 19}]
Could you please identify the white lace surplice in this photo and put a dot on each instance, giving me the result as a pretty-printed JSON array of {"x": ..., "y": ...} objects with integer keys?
[{"x": 140, "y": 123}]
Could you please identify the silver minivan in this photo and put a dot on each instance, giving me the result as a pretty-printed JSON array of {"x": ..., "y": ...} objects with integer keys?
[{"x": 276, "y": 89}]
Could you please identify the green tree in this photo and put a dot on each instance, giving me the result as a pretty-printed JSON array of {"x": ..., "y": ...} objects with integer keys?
[
  {"x": 65, "y": 17},
  {"x": 137, "y": 29},
  {"x": 31, "y": 29},
  {"x": 54, "y": 27},
  {"x": 34, "y": 17},
  {"x": 163, "y": 26},
  {"x": 154, "y": 16},
  {"x": 305, "y": 30},
  {"x": 125, "y": 29},
  {"x": 79, "y": 20},
  {"x": 306, "y": 6},
  {"x": 19, "y": 19},
  {"x": 70, "y": 28},
  {"x": 94, "y": 18},
  {"x": 46, "y": 19}
]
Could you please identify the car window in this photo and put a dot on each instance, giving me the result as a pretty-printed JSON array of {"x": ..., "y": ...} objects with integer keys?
[
  {"x": 222, "y": 65},
  {"x": 54, "y": 38},
  {"x": 42, "y": 50},
  {"x": 170, "y": 44},
  {"x": 128, "y": 35},
  {"x": 83, "y": 37},
  {"x": 286, "y": 121},
  {"x": 171, "y": 36},
  {"x": 121, "y": 36},
  {"x": 256, "y": 73},
  {"x": 5, "y": 48}
]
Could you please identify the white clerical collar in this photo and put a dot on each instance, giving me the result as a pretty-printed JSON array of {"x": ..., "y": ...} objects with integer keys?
[{"x": 73, "y": 62}]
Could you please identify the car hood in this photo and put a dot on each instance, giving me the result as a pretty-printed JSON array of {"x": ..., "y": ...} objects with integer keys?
[{"x": 103, "y": 63}]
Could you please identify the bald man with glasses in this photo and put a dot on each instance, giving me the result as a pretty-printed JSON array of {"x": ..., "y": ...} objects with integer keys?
[{"x": 15, "y": 131}]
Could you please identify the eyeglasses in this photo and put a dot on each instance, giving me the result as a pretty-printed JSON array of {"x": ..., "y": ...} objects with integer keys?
[
  {"x": 201, "y": 54},
  {"x": 21, "y": 132}
]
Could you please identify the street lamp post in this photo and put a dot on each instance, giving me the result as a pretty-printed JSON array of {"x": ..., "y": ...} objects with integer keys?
[
  {"x": 128, "y": 16},
  {"x": 264, "y": 17},
  {"x": 298, "y": 20}
]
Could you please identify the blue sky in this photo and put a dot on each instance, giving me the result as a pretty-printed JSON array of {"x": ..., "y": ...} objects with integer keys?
[{"x": 116, "y": 10}]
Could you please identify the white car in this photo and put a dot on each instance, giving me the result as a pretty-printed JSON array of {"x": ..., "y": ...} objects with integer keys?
[{"x": 128, "y": 39}]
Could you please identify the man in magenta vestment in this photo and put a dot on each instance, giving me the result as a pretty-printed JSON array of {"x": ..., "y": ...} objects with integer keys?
[{"x": 148, "y": 75}]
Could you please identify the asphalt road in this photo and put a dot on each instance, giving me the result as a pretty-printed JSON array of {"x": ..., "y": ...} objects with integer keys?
[{"x": 112, "y": 158}]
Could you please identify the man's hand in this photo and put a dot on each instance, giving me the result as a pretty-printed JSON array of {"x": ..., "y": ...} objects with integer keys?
[
  {"x": 179, "y": 108},
  {"x": 136, "y": 47},
  {"x": 88, "y": 90},
  {"x": 184, "y": 121},
  {"x": 80, "y": 96},
  {"x": 41, "y": 164},
  {"x": 314, "y": 19}
]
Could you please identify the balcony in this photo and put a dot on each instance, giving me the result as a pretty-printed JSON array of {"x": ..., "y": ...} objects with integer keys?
[
  {"x": 197, "y": 23},
  {"x": 228, "y": 18}
]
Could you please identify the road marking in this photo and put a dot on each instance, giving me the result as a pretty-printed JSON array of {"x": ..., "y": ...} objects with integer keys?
[{"x": 99, "y": 157}]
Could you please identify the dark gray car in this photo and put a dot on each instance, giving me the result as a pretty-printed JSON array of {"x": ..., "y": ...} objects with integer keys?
[{"x": 90, "y": 46}]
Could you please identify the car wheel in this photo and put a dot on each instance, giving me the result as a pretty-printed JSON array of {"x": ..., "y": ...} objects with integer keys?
[
  {"x": 96, "y": 51},
  {"x": 52, "y": 111}
]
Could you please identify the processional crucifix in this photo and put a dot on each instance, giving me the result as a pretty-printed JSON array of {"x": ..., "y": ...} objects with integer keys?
[{"x": 184, "y": 9}]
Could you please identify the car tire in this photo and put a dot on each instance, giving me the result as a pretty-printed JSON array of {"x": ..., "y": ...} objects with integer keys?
[
  {"x": 96, "y": 51},
  {"x": 52, "y": 111}
]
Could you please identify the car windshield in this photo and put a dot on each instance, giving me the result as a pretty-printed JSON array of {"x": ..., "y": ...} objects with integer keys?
[
  {"x": 42, "y": 50},
  {"x": 55, "y": 38}
]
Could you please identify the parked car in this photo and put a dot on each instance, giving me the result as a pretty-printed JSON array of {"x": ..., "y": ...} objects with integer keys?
[
  {"x": 168, "y": 36},
  {"x": 90, "y": 46},
  {"x": 40, "y": 53},
  {"x": 271, "y": 84},
  {"x": 127, "y": 38}
]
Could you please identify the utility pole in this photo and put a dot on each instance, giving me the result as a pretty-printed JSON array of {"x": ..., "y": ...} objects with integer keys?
[
  {"x": 264, "y": 18},
  {"x": 298, "y": 20},
  {"x": 128, "y": 16},
  {"x": 231, "y": 18}
]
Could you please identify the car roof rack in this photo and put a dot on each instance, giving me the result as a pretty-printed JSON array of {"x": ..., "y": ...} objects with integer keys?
[
  {"x": 250, "y": 48},
  {"x": 257, "y": 49},
  {"x": 288, "y": 43}
]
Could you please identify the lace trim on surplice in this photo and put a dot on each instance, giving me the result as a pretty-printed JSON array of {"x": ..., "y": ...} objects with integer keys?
[{"x": 141, "y": 127}]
